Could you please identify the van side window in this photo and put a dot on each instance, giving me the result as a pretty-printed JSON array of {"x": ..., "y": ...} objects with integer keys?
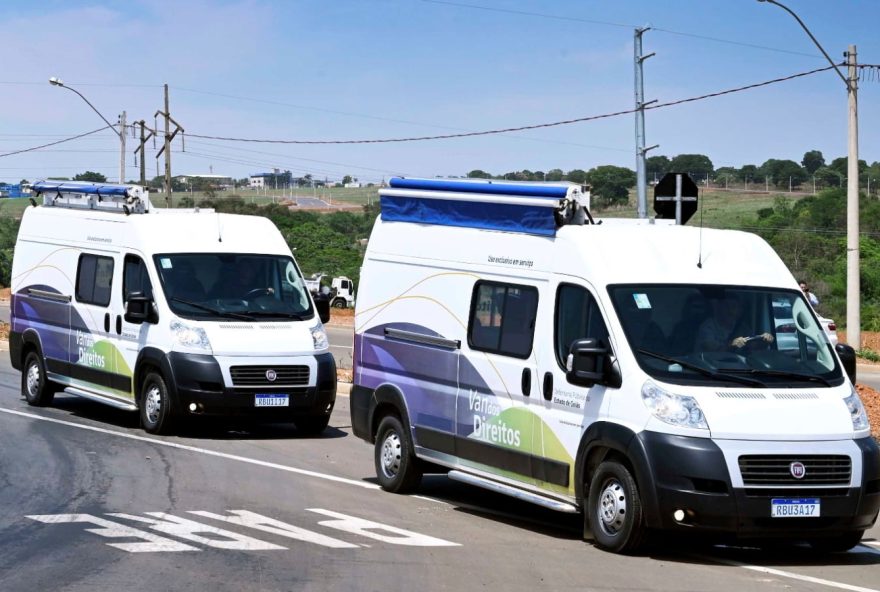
[
  {"x": 94, "y": 276},
  {"x": 577, "y": 317},
  {"x": 135, "y": 278},
  {"x": 503, "y": 319}
]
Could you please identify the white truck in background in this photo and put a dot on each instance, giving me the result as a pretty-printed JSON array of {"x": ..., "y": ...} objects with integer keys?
[{"x": 340, "y": 292}]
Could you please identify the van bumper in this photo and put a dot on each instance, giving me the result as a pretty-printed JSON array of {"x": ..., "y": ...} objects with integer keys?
[
  {"x": 691, "y": 474},
  {"x": 198, "y": 380}
]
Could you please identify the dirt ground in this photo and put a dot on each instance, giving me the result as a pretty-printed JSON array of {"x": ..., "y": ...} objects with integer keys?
[{"x": 870, "y": 340}]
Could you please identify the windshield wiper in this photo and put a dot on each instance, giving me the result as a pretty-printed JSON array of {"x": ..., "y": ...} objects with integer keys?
[
  {"x": 780, "y": 373},
  {"x": 213, "y": 311},
  {"x": 703, "y": 371},
  {"x": 269, "y": 313}
]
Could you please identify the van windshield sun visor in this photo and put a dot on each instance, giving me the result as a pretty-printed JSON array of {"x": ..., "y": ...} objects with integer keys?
[{"x": 470, "y": 203}]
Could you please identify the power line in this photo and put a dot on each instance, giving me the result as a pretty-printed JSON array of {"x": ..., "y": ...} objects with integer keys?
[
  {"x": 100, "y": 129},
  {"x": 621, "y": 25},
  {"x": 520, "y": 128}
]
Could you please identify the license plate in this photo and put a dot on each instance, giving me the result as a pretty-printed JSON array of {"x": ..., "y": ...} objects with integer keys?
[
  {"x": 272, "y": 400},
  {"x": 795, "y": 508}
]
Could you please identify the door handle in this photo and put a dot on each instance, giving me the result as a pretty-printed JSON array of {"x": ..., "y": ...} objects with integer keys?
[
  {"x": 526, "y": 382},
  {"x": 118, "y": 324},
  {"x": 548, "y": 386},
  {"x": 106, "y": 322}
]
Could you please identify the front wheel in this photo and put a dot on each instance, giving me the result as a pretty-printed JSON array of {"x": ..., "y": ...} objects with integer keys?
[
  {"x": 36, "y": 388},
  {"x": 155, "y": 406},
  {"x": 614, "y": 509},
  {"x": 339, "y": 303},
  {"x": 397, "y": 468},
  {"x": 837, "y": 544}
]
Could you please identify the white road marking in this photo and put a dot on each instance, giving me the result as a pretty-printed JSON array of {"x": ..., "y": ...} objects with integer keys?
[
  {"x": 368, "y": 528},
  {"x": 791, "y": 575},
  {"x": 178, "y": 446},
  {"x": 114, "y": 530},
  {"x": 266, "y": 524},
  {"x": 191, "y": 530},
  {"x": 872, "y": 543}
]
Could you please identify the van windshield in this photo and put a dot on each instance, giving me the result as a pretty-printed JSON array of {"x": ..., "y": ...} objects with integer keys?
[
  {"x": 233, "y": 286},
  {"x": 726, "y": 335}
]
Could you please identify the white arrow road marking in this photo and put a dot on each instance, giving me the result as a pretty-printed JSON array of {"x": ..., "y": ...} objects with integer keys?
[
  {"x": 266, "y": 524},
  {"x": 363, "y": 527},
  {"x": 114, "y": 530},
  {"x": 189, "y": 529}
]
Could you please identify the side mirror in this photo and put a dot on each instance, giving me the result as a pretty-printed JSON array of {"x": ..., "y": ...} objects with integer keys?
[
  {"x": 586, "y": 362},
  {"x": 847, "y": 357},
  {"x": 322, "y": 305},
  {"x": 139, "y": 309}
]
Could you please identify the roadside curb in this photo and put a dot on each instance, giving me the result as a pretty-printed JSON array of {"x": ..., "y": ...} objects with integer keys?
[{"x": 343, "y": 388}]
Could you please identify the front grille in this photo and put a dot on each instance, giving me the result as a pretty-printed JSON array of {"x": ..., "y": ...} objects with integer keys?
[
  {"x": 770, "y": 471},
  {"x": 256, "y": 375},
  {"x": 799, "y": 492}
]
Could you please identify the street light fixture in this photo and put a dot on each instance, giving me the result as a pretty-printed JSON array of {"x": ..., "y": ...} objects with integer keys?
[
  {"x": 119, "y": 132},
  {"x": 853, "y": 287}
]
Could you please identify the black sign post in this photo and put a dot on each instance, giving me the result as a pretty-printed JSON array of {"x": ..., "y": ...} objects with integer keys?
[{"x": 675, "y": 197}]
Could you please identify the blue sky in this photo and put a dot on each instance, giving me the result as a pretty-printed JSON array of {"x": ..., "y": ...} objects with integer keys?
[{"x": 365, "y": 69}]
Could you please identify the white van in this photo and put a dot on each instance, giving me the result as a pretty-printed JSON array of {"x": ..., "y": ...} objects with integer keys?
[
  {"x": 625, "y": 369},
  {"x": 169, "y": 312}
]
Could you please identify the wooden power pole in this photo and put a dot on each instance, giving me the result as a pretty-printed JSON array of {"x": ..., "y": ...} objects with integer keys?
[{"x": 169, "y": 135}]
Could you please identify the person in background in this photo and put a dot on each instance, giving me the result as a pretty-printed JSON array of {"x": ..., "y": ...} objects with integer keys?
[{"x": 811, "y": 298}]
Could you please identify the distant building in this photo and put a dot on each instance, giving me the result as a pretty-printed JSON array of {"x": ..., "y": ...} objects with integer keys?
[
  {"x": 217, "y": 181},
  {"x": 273, "y": 180}
]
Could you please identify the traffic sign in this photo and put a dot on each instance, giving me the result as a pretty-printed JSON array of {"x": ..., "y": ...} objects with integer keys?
[{"x": 665, "y": 199}]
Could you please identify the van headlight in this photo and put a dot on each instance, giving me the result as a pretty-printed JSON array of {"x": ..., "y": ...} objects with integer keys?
[
  {"x": 189, "y": 336},
  {"x": 678, "y": 410},
  {"x": 856, "y": 410},
  {"x": 319, "y": 337}
]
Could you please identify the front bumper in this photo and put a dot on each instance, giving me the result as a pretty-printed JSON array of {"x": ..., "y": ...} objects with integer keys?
[
  {"x": 198, "y": 380},
  {"x": 693, "y": 475}
]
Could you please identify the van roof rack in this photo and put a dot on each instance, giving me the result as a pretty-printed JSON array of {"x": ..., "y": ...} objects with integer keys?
[
  {"x": 107, "y": 197},
  {"x": 526, "y": 207}
]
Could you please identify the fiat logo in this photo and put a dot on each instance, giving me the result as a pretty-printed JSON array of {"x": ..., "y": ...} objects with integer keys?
[
  {"x": 271, "y": 375},
  {"x": 798, "y": 470}
]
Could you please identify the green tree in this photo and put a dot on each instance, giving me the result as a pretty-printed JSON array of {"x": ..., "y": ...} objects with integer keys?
[
  {"x": 611, "y": 184},
  {"x": 26, "y": 182},
  {"x": 726, "y": 175},
  {"x": 576, "y": 176},
  {"x": 91, "y": 177},
  {"x": 840, "y": 165},
  {"x": 780, "y": 171},
  {"x": 554, "y": 175},
  {"x": 346, "y": 179},
  {"x": 657, "y": 165},
  {"x": 828, "y": 177},
  {"x": 813, "y": 161},
  {"x": 695, "y": 164},
  {"x": 479, "y": 174}
]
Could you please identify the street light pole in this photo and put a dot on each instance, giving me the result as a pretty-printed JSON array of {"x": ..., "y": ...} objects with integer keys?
[
  {"x": 119, "y": 132},
  {"x": 853, "y": 284}
]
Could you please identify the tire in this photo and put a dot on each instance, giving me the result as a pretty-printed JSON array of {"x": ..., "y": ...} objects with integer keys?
[
  {"x": 156, "y": 408},
  {"x": 312, "y": 425},
  {"x": 35, "y": 387},
  {"x": 397, "y": 468},
  {"x": 614, "y": 510},
  {"x": 837, "y": 544},
  {"x": 339, "y": 303}
]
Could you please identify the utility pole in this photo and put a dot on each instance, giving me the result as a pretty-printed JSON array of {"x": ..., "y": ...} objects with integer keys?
[
  {"x": 143, "y": 125},
  {"x": 641, "y": 180},
  {"x": 167, "y": 147},
  {"x": 122, "y": 148},
  {"x": 853, "y": 282}
]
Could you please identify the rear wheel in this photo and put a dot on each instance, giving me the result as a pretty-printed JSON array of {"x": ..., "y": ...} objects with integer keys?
[
  {"x": 156, "y": 410},
  {"x": 339, "y": 303},
  {"x": 35, "y": 387},
  {"x": 397, "y": 468},
  {"x": 837, "y": 544},
  {"x": 614, "y": 509}
]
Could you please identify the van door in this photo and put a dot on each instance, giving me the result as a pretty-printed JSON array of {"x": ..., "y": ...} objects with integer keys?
[
  {"x": 497, "y": 382},
  {"x": 92, "y": 351},
  {"x": 131, "y": 337},
  {"x": 568, "y": 409}
]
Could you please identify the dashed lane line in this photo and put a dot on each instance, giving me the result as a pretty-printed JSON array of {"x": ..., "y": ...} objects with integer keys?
[{"x": 235, "y": 457}]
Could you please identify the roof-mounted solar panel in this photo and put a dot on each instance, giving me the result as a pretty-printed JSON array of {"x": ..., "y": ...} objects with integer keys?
[{"x": 530, "y": 208}]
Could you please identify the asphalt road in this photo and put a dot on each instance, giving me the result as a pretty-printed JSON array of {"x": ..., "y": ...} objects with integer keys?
[{"x": 89, "y": 502}]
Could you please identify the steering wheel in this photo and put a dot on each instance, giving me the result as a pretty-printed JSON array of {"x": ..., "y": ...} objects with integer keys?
[{"x": 257, "y": 292}]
